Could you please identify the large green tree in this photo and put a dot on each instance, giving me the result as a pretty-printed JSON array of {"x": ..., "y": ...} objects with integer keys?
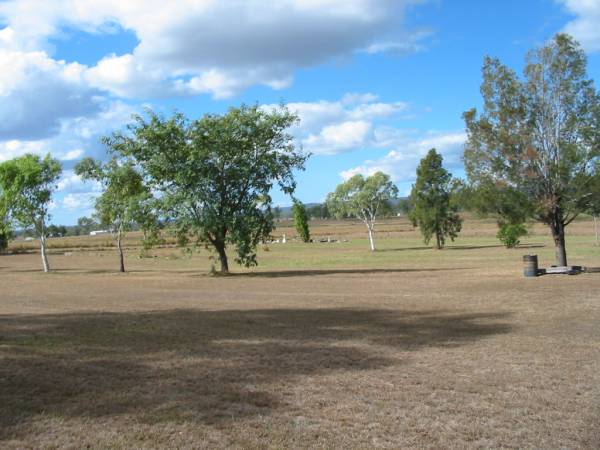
[
  {"x": 432, "y": 207},
  {"x": 538, "y": 138},
  {"x": 26, "y": 187},
  {"x": 215, "y": 174},
  {"x": 121, "y": 204},
  {"x": 363, "y": 198}
]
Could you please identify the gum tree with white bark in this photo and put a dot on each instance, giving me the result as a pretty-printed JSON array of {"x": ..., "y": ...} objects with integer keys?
[
  {"x": 363, "y": 198},
  {"x": 26, "y": 187}
]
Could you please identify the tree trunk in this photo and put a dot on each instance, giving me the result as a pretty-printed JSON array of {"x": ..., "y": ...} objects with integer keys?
[
  {"x": 120, "y": 249},
  {"x": 220, "y": 247},
  {"x": 438, "y": 239},
  {"x": 558, "y": 234},
  {"x": 45, "y": 264},
  {"x": 596, "y": 230},
  {"x": 371, "y": 241}
]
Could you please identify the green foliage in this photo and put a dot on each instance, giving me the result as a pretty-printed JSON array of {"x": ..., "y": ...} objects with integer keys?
[
  {"x": 404, "y": 206},
  {"x": 301, "y": 221},
  {"x": 363, "y": 198},
  {"x": 215, "y": 173},
  {"x": 56, "y": 231},
  {"x": 85, "y": 225},
  {"x": 52, "y": 231},
  {"x": 507, "y": 204},
  {"x": 4, "y": 239},
  {"x": 26, "y": 187},
  {"x": 125, "y": 201},
  {"x": 145, "y": 214},
  {"x": 594, "y": 202},
  {"x": 510, "y": 234},
  {"x": 537, "y": 138},
  {"x": 5, "y": 234},
  {"x": 5, "y": 231},
  {"x": 319, "y": 211},
  {"x": 26, "y": 184},
  {"x": 433, "y": 211},
  {"x": 120, "y": 205}
]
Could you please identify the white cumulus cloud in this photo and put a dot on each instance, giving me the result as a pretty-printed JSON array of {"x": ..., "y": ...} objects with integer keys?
[
  {"x": 72, "y": 183},
  {"x": 208, "y": 46},
  {"x": 77, "y": 201},
  {"x": 37, "y": 93},
  {"x": 338, "y": 126},
  {"x": 401, "y": 163},
  {"x": 74, "y": 138},
  {"x": 336, "y": 138},
  {"x": 584, "y": 27}
]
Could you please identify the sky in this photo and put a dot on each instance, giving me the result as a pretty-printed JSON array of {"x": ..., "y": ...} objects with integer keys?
[{"x": 376, "y": 83}]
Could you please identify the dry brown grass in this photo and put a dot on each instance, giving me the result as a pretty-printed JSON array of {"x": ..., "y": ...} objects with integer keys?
[{"x": 322, "y": 346}]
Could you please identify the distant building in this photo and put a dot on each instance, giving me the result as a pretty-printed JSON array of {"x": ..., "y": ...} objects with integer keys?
[{"x": 97, "y": 232}]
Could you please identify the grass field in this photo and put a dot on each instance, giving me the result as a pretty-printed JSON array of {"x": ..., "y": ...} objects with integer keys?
[{"x": 324, "y": 345}]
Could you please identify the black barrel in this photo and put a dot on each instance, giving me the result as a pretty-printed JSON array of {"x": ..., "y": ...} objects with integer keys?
[{"x": 530, "y": 265}]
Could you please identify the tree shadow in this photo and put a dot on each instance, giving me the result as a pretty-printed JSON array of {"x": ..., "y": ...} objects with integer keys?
[
  {"x": 63, "y": 270},
  {"x": 202, "y": 366},
  {"x": 402, "y": 249},
  {"x": 316, "y": 272},
  {"x": 457, "y": 247},
  {"x": 479, "y": 247},
  {"x": 254, "y": 274}
]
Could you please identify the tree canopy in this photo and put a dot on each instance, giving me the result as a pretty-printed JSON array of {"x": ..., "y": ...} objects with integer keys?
[
  {"x": 538, "y": 137},
  {"x": 432, "y": 209},
  {"x": 215, "y": 174},
  {"x": 26, "y": 186},
  {"x": 363, "y": 198}
]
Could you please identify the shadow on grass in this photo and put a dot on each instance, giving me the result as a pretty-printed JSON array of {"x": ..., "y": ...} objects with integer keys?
[
  {"x": 458, "y": 247},
  {"x": 202, "y": 366},
  {"x": 62, "y": 270},
  {"x": 314, "y": 272},
  {"x": 478, "y": 247},
  {"x": 258, "y": 273},
  {"x": 402, "y": 249}
]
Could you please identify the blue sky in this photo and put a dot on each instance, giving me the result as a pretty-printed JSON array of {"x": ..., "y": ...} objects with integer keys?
[{"x": 376, "y": 82}]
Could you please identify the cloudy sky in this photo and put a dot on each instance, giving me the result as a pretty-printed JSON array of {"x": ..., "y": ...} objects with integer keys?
[{"x": 375, "y": 82}]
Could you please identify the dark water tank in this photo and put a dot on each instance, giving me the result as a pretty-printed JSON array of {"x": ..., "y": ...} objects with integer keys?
[{"x": 530, "y": 265}]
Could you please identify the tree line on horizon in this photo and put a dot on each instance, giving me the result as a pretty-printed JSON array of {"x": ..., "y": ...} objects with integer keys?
[{"x": 532, "y": 154}]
